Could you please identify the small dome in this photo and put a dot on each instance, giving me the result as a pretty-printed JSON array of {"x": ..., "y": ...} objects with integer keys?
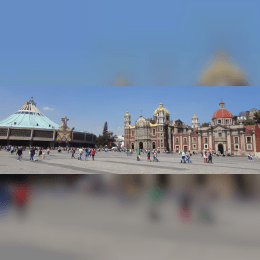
[
  {"x": 222, "y": 112},
  {"x": 127, "y": 113},
  {"x": 194, "y": 116},
  {"x": 160, "y": 109},
  {"x": 222, "y": 73}
]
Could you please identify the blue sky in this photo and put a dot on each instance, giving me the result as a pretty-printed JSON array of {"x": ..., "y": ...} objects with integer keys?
[
  {"x": 89, "y": 107},
  {"x": 68, "y": 55},
  {"x": 91, "y": 43}
]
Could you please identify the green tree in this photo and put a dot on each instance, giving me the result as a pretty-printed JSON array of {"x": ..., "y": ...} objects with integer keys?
[
  {"x": 105, "y": 129},
  {"x": 107, "y": 138},
  {"x": 249, "y": 122},
  {"x": 257, "y": 118},
  {"x": 205, "y": 124}
]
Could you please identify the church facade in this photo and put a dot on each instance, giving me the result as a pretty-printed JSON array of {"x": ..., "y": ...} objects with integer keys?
[{"x": 162, "y": 134}]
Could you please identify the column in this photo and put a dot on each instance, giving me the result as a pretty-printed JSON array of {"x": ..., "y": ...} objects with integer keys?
[
  {"x": 7, "y": 137},
  {"x": 199, "y": 142},
  {"x": 228, "y": 142},
  {"x": 31, "y": 140},
  {"x": 189, "y": 142},
  {"x": 254, "y": 143},
  {"x": 8, "y": 133},
  {"x": 242, "y": 143},
  {"x": 210, "y": 141},
  {"x": 181, "y": 143}
]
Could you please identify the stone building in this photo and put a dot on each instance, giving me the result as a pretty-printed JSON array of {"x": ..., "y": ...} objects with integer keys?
[
  {"x": 165, "y": 135},
  {"x": 156, "y": 133},
  {"x": 195, "y": 122},
  {"x": 250, "y": 114}
]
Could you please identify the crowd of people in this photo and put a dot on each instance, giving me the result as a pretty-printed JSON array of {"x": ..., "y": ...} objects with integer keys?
[{"x": 40, "y": 152}]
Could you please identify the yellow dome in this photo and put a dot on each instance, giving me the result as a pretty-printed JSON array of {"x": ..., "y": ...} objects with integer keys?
[
  {"x": 222, "y": 72},
  {"x": 164, "y": 109},
  {"x": 194, "y": 116},
  {"x": 127, "y": 113}
]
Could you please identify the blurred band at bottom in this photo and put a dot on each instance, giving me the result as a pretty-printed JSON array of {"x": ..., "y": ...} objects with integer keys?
[{"x": 129, "y": 216}]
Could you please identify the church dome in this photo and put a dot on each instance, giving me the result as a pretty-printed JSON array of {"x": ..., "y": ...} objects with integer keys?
[
  {"x": 160, "y": 109},
  {"x": 30, "y": 117},
  {"x": 194, "y": 117},
  {"x": 222, "y": 73},
  {"x": 222, "y": 112}
]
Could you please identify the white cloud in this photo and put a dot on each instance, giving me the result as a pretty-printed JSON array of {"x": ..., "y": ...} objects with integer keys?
[{"x": 48, "y": 108}]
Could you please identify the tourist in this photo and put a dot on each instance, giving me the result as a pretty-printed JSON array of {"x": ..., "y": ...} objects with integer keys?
[
  {"x": 183, "y": 157},
  {"x": 48, "y": 151},
  {"x": 40, "y": 152},
  {"x": 210, "y": 158},
  {"x": 93, "y": 154},
  {"x": 80, "y": 153},
  {"x": 19, "y": 153},
  {"x": 43, "y": 154},
  {"x": 188, "y": 154},
  {"x": 86, "y": 154},
  {"x": 138, "y": 155},
  {"x": 73, "y": 153},
  {"x": 205, "y": 157},
  {"x": 148, "y": 156},
  {"x": 32, "y": 153}
]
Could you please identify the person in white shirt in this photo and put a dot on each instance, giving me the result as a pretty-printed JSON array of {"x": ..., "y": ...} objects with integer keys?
[{"x": 183, "y": 157}]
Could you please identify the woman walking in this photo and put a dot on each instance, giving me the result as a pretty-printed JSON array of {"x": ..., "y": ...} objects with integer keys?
[
  {"x": 148, "y": 156},
  {"x": 93, "y": 154}
]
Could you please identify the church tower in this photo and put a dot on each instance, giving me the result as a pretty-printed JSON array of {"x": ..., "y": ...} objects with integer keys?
[
  {"x": 127, "y": 121},
  {"x": 195, "y": 122}
]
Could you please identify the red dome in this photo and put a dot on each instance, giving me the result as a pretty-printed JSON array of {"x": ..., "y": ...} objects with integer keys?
[{"x": 222, "y": 113}]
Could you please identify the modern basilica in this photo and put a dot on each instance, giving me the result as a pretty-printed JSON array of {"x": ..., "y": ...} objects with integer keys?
[{"x": 162, "y": 134}]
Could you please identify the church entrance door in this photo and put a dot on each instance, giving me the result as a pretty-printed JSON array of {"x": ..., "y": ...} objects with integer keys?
[
  {"x": 141, "y": 146},
  {"x": 154, "y": 146},
  {"x": 220, "y": 148}
]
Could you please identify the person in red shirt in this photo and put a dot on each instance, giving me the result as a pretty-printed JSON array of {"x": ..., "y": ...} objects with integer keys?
[{"x": 93, "y": 154}]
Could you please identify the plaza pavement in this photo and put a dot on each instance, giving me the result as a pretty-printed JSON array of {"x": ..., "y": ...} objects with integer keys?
[
  {"x": 83, "y": 226},
  {"x": 120, "y": 163}
]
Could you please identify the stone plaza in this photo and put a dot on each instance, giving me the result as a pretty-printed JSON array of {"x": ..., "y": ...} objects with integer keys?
[{"x": 120, "y": 163}]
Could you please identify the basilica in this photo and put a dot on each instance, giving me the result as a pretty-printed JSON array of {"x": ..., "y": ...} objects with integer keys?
[{"x": 163, "y": 134}]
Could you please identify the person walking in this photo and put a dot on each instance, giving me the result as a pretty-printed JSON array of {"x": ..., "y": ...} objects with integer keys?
[
  {"x": 138, "y": 155},
  {"x": 93, "y": 154},
  {"x": 40, "y": 152},
  {"x": 148, "y": 156},
  {"x": 80, "y": 153},
  {"x": 183, "y": 157},
  {"x": 73, "y": 153},
  {"x": 43, "y": 154},
  {"x": 205, "y": 157},
  {"x": 86, "y": 154},
  {"x": 19, "y": 153},
  {"x": 32, "y": 153},
  {"x": 188, "y": 154},
  {"x": 210, "y": 158},
  {"x": 48, "y": 151}
]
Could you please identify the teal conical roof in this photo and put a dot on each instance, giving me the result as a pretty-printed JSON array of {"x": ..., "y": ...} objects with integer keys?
[{"x": 29, "y": 116}]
